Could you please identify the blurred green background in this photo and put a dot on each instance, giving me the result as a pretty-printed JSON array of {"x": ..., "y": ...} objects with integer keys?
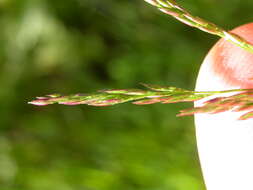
[{"x": 71, "y": 46}]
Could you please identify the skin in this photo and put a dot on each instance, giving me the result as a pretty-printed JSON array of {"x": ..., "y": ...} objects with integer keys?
[{"x": 225, "y": 144}]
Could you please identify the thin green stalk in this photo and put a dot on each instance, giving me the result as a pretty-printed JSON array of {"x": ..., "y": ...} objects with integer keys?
[
  {"x": 222, "y": 92},
  {"x": 170, "y": 7}
]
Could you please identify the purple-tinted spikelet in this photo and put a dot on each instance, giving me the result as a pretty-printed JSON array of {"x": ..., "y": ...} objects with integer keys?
[
  {"x": 71, "y": 103},
  {"x": 245, "y": 116},
  {"x": 152, "y": 2},
  {"x": 40, "y": 102},
  {"x": 147, "y": 101}
]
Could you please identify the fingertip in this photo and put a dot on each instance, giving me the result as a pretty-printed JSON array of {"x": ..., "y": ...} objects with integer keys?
[{"x": 230, "y": 63}]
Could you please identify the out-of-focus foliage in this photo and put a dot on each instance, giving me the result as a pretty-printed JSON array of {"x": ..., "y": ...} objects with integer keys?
[{"x": 74, "y": 46}]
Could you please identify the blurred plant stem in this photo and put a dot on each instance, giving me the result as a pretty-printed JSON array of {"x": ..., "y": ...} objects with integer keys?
[{"x": 170, "y": 7}]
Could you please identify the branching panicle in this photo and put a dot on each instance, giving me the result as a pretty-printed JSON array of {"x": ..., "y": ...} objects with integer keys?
[{"x": 242, "y": 101}]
